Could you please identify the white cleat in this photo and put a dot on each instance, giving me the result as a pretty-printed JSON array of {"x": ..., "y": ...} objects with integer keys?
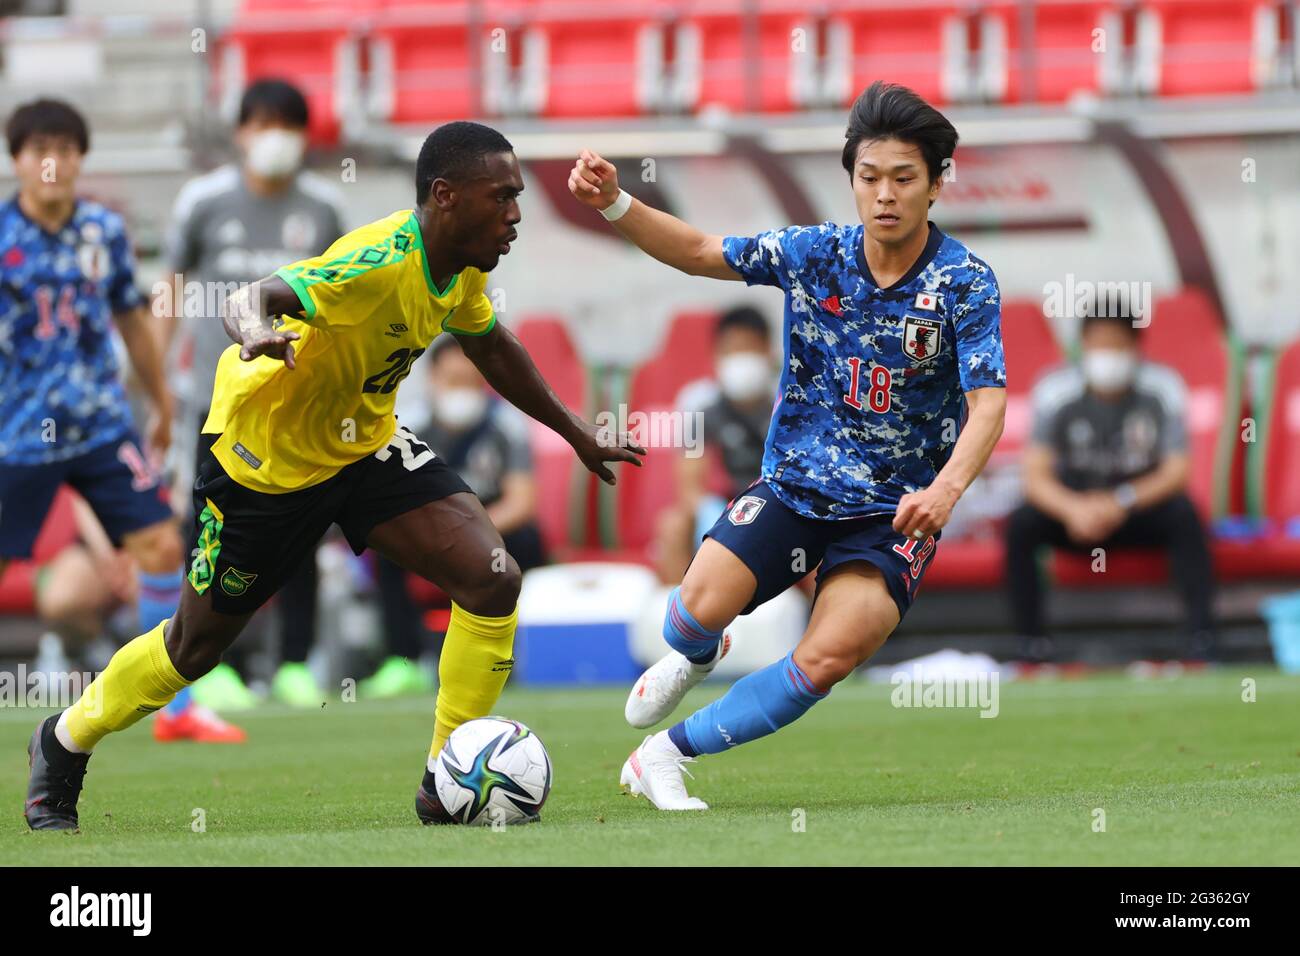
[
  {"x": 659, "y": 690},
  {"x": 654, "y": 771}
]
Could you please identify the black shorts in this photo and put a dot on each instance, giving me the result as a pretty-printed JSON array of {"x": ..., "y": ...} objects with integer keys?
[{"x": 248, "y": 542}]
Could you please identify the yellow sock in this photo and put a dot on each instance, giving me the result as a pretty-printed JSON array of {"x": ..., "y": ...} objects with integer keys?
[
  {"x": 138, "y": 680},
  {"x": 475, "y": 662}
]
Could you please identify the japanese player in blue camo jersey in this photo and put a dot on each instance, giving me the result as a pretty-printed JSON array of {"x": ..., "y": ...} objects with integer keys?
[{"x": 892, "y": 396}]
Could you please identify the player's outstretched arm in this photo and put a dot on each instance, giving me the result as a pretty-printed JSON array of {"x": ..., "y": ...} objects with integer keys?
[
  {"x": 509, "y": 369},
  {"x": 924, "y": 512},
  {"x": 145, "y": 351},
  {"x": 252, "y": 315},
  {"x": 594, "y": 182}
]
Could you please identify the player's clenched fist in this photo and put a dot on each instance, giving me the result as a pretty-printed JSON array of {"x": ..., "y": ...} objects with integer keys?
[{"x": 593, "y": 180}]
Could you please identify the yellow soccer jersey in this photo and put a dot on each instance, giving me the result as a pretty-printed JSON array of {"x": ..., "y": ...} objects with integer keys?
[{"x": 370, "y": 309}]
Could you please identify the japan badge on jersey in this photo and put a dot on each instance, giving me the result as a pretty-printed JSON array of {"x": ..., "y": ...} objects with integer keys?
[
  {"x": 922, "y": 338},
  {"x": 929, "y": 301}
]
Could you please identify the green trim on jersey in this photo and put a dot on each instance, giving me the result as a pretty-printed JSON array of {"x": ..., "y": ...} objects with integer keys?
[
  {"x": 491, "y": 323},
  {"x": 414, "y": 225},
  {"x": 296, "y": 283},
  {"x": 393, "y": 249}
]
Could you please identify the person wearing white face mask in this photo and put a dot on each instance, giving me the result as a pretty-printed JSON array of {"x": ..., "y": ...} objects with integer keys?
[
  {"x": 1107, "y": 466},
  {"x": 234, "y": 225},
  {"x": 737, "y": 410}
]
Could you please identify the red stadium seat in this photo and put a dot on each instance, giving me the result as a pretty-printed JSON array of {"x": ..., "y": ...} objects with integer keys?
[
  {"x": 1059, "y": 53},
  {"x": 1188, "y": 334},
  {"x": 315, "y": 48},
  {"x": 1031, "y": 350},
  {"x": 904, "y": 46},
  {"x": 593, "y": 59},
  {"x": 1206, "y": 46},
  {"x": 1280, "y": 495},
  {"x": 745, "y": 72},
  {"x": 643, "y": 493},
  {"x": 18, "y": 583},
  {"x": 563, "y": 484},
  {"x": 685, "y": 356},
  {"x": 724, "y": 66},
  {"x": 421, "y": 63},
  {"x": 1274, "y": 491}
]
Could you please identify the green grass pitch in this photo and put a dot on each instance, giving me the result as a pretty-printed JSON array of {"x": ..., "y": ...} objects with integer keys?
[{"x": 1184, "y": 770}]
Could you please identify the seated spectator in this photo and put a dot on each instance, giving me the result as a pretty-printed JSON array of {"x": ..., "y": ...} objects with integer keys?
[
  {"x": 737, "y": 410},
  {"x": 1107, "y": 467},
  {"x": 486, "y": 442}
]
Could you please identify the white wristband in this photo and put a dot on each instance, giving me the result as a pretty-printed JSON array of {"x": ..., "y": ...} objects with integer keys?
[{"x": 619, "y": 207}]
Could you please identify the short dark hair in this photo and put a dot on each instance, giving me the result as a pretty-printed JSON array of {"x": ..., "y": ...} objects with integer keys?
[
  {"x": 46, "y": 117},
  {"x": 1116, "y": 311},
  {"x": 277, "y": 99},
  {"x": 441, "y": 346},
  {"x": 454, "y": 151},
  {"x": 889, "y": 111},
  {"x": 742, "y": 317}
]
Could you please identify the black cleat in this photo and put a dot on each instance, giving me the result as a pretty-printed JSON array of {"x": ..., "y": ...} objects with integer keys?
[
  {"x": 54, "y": 780},
  {"x": 427, "y": 805}
]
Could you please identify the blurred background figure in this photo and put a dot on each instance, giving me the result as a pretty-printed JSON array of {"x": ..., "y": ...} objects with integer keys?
[
  {"x": 231, "y": 226},
  {"x": 486, "y": 442},
  {"x": 1107, "y": 467},
  {"x": 736, "y": 406}
]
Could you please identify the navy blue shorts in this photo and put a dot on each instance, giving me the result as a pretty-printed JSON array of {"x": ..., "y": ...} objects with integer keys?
[
  {"x": 115, "y": 479},
  {"x": 781, "y": 546}
]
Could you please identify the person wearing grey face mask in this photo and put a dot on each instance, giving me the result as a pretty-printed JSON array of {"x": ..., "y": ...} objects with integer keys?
[
  {"x": 737, "y": 411},
  {"x": 1108, "y": 466},
  {"x": 230, "y": 226}
]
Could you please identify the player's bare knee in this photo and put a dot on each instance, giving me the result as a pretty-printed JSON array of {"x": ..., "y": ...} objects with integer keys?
[
  {"x": 495, "y": 593},
  {"x": 826, "y": 668},
  {"x": 706, "y": 604}
]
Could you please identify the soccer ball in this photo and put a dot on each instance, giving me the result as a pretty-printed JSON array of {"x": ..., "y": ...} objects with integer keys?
[{"x": 493, "y": 771}]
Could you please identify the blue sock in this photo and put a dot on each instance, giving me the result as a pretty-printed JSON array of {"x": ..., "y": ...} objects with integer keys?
[
  {"x": 685, "y": 635},
  {"x": 756, "y": 705},
  {"x": 159, "y": 595},
  {"x": 179, "y": 703}
]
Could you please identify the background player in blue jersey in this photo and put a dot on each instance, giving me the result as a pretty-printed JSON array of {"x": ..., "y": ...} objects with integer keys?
[
  {"x": 67, "y": 273},
  {"x": 892, "y": 396}
]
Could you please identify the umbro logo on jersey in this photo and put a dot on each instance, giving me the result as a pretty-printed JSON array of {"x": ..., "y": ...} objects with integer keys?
[
  {"x": 397, "y": 329},
  {"x": 930, "y": 301}
]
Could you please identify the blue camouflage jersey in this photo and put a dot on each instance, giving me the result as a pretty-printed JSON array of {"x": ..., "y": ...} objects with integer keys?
[
  {"x": 871, "y": 394},
  {"x": 60, "y": 391}
]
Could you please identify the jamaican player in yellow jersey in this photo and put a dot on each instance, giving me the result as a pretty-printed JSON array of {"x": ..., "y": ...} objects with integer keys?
[{"x": 302, "y": 435}]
